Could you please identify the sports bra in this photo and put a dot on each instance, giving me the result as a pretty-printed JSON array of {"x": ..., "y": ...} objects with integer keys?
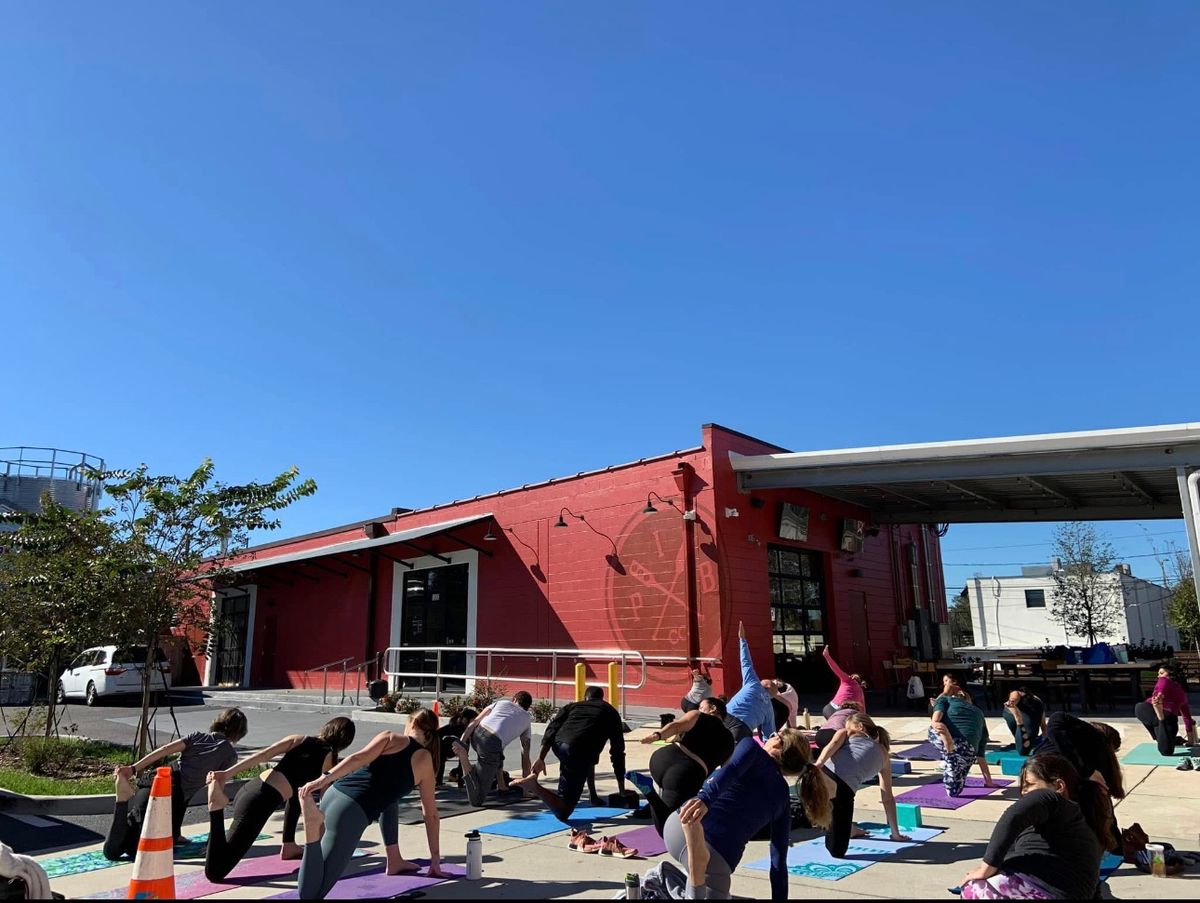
[
  {"x": 386, "y": 780},
  {"x": 709, "y": 741},
  {"x": 304, "y": 762}
]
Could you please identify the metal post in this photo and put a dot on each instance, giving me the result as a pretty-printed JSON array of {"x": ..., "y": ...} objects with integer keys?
[
  {"x": 324, "y": 685},
  {"x": 580, "y": 680},
  {"x": 489, "y": 667},
  {"x": 613, "y": 684},
  {"x": 554, "y": 680},
  {"x": 624, "y": 701},
  {"x": 437, "y": 680}
]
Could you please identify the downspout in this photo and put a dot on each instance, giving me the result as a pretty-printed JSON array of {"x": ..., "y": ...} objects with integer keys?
[
  {"x": 371, "y": 608},
  {"x": 684, "y": 476}
]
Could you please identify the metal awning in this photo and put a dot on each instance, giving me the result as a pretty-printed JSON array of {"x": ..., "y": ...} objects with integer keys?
[
  {"x": 400, "y": 541},
  {"x": 1134, "y": 474}
]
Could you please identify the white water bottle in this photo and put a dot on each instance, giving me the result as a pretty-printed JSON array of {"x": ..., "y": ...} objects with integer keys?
[{"x": 474, "y": 856}]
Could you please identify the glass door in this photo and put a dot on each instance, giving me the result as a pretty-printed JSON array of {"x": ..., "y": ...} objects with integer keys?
[
  {"x": 434, "y": 613},
  {"x": 798, "y": 616}
]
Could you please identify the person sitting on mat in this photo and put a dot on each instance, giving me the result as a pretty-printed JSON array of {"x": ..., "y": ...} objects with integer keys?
[
  {"x": 701, "y": 687},
  {"x": 502, "y": 722},
  {"x": 304, "y": 759},
  {"x": 199, "y": 753},
  {"x": 710, "y": 832},
  {"x": 958, "y": 730},
  {"x": 1043, "y": 847},
  {"x": 858, "y": 752},
  {"x": 681, "y": 768},
  {"x": 851, "y": 687},
  {"x": 1025, "y": 715},
  {"x": 1160, "y": 714},
  {"x": 751, "y": 705},
  {"x": 576, "y": 736},
  {"x": 366, "y": 787},
  {"x": 834, "y": 723},
  {"x": 449, "y": 732}
]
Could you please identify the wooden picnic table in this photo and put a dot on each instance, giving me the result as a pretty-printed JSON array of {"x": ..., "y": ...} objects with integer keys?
[{"x": 1133, "y": 669}]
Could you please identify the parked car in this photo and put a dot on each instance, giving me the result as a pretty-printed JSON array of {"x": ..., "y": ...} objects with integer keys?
[{"x": 111, "y": 671}]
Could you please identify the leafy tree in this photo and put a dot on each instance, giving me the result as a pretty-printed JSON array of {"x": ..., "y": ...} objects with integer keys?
[
  {"x": 1085, "y": 599},
  {"x": 182, "y": 534},
  {"x": 1182, "y": 611},
  {"x": 962, "y": 632},
  {"x": 61, "y": 572}
]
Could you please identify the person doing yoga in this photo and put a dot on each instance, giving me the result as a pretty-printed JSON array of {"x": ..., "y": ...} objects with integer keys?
[
  {"x": 365, "y": 787},
  {"x": 681, "y": 768},
  {"x": 701, "y": 687},
  {"x": 576, "y": 736},
  {"x": 857, "y": 753},
  {"x": 959, "y": 732},
  {"x": 751, "y": 705},
  {"x": 715, "y": 706},
  {"x": 1091, "y": 748},
  {"x": 710, "y": 832},
  {"x": 489, "y": 733},
  {"x": 304, "y": 759},
  {"x": 199, "y": 753},
  {"x": 1160, "y": 714},
  {"x": 1025, "y": 715},
  {"x": 1044, "y": 847},
  {"x": 449, "y": 732},
  {"x": 851, "y": 687},
  {"x": 834, "y": 722}
]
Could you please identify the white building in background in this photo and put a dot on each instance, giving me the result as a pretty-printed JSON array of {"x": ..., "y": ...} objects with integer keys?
[{"x": 1014, "y": 612}]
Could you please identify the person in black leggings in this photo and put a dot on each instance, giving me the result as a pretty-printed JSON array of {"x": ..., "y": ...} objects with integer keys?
[
  {"x": 681, "y": 769},
  {"x": 447, "y": 734},
  {"x": 304, "y": 759}
]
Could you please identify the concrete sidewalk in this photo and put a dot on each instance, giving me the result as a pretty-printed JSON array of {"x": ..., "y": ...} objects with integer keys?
[{"x": 1164, "y": 801}]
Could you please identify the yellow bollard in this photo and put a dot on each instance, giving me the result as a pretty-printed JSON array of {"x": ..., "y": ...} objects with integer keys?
[
  {"x": 613, "y": 681},
  {"x": 580, "y": 680}
]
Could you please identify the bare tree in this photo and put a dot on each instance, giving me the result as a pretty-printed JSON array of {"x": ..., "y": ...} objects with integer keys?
[{"x": 1086, "y": 599}]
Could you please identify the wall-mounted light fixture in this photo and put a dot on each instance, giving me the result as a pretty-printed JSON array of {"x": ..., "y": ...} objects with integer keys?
[
  {"x": 489, "y": 536},
  {"x": 650, "y": 509},
  {"x": 563, "y": 523}
]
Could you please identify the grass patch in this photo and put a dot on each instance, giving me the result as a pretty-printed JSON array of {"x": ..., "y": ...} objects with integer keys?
[{"x": 36, "y": 785}]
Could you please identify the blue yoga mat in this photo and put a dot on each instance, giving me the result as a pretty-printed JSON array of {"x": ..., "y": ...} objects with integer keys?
[
  {"x": 812, "y": 860},
  {"x": 539, "y": 824}
]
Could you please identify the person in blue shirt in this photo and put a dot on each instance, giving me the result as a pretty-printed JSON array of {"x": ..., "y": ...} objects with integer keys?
[
  {"x": 751, "y": 705},
  {"x": 710, "y": 832}
]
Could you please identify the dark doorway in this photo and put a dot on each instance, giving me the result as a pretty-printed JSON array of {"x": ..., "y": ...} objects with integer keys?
[
  {"x": 233, "y": 622},
  {"x": 861, "y": 661},
  {"x": 434, "y": 613},
  {"x": 270, "y": 641},
  {"x": 798, "y": 616}
]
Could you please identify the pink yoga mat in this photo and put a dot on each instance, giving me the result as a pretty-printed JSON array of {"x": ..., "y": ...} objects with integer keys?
[
  {"x": 933, "y": 796},
  {"x": 377, "y": 885},
  {"x": 645, "y": 840}
]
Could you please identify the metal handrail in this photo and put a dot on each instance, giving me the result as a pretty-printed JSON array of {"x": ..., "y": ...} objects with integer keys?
[
  {"x": 623, "y": 656},
  {"x": 361, "y": 666},
  {"x": 324, "y": 669}
]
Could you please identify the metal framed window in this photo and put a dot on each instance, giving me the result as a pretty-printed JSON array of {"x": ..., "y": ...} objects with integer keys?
[
  {"x": 798, "y": 613},
  {"x": 1035, "y": 598}
]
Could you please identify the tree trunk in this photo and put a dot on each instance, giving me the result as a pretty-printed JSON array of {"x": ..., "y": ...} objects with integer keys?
[
  {"x": 52, "y": 695},
  {"x": 144, "y": 744}
]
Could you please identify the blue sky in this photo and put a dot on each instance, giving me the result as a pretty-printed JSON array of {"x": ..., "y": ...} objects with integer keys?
[{"x": 429, "y": 251}]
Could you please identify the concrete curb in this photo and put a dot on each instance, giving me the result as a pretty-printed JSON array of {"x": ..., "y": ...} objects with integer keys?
[{"x": 84, "y": 804}]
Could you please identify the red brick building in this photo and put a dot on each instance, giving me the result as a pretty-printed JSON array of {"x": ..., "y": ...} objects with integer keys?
[{"x": 580, "y": 562}]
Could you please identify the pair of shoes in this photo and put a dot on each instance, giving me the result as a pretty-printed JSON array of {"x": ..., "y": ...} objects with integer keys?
[
  {"x": 582, "y": 842},
  {"x": 612, "y": 846},
  {"x": 642, "y": 813},
  {"x": 1185, "y": 765}
]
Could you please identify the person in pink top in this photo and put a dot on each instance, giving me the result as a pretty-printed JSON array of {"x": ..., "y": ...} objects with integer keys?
[
  {"x": 1160, "y": 713},
  {"x": 850, "y": 687}
]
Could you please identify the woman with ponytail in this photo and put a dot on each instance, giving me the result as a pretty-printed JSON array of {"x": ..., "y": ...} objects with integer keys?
[
  {"x": 367, "y": 787},
  {"x": 709, "y": 834},
  {"x": 1045, "y": 846},
  {"x": 858, "y": 752}
]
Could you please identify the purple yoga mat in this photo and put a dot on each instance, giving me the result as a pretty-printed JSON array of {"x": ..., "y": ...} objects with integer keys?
[
  {"x": 933, "y": 796},
  {"x": 376, "y": 885},
  {"x": 645, "y": 840},
  {"x": 258, "y": 870}
]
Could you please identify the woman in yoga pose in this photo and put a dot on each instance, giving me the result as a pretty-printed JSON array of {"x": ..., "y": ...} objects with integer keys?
[
  {"x": 959, "y": 732},
  {"x": 1162, "y": 712},
  {"x": 1091, "y": 749},
  {"x": 857, "y": 753},
  {"x": 834, "y": 722},
  {"x": 199, "y": 753},
  {"x": 851, "y": 687},
  {"x": 710, "y": 832},
  {"x": 304, "y": 759},
  {"x": 1045, "y": 846},
  {"x": 367, "y": 787},
  {"x": 680, "y": 769}
]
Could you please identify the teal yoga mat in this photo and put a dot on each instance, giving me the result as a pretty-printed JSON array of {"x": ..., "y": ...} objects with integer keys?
[
  {"x": 812, "y": 860},
  {"x": 92, "y": 861},
  {"x": 1148, "y": 754},
  {"x": 539, "y": 824}
]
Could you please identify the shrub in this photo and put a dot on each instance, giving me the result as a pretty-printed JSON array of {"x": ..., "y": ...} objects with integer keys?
[
  {"x": 543, "y": 710},
  {"x": 452, "y": 707},
  {"x": 484, "y": 694},
  {"x": 406, "y": 705},
  {"x": 48, "y": 756}
]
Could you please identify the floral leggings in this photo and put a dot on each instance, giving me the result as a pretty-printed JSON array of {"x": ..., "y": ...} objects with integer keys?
[
  {"x": 958, "y": 762},
  {"x": 1007, "y": 886}
]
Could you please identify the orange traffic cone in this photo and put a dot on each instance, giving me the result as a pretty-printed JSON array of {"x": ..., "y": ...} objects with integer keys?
[
  {"x": 437, "y": 707},
  {"x": 154, "y": 868}
]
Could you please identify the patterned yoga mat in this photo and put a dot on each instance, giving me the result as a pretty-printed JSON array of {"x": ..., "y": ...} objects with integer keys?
[
  {"x": 93, "y": 860},
  {"x": 812, "y": 860}
]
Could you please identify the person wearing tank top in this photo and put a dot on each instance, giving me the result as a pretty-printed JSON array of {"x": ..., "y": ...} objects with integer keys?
[
  {"x": 858, "y": 752},
  {"x": 681, "y": 769},
  {"x": 304, "y": 759},
  {"x": 366, "y": 787}
]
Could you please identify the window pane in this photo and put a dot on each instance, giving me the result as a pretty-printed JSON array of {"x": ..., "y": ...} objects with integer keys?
[
  {"x": 789, "y": 562},
  {"x": 793, "y": 619},
  {"x": 807, "y": 568},
  {"x": 793, "y": 592},
  {"x": 1035, "y": 598},
  {"x": 776, "y": 591},
  {"x": 816, "y": 620},
  {"x": 815, "y": 641},
  {"x": 773, "y": 560},
  {"x": 812, "y": 592},
  {"x": 780, "y": 644}
]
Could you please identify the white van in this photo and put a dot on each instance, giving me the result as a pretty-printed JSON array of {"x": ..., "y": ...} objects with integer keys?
[{"x": 111, "y": 670}]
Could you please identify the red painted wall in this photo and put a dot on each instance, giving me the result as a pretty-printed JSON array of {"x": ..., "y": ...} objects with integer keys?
[{"x": 617, "y": 580}]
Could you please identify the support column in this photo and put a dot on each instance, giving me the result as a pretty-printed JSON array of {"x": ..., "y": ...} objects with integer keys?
[{"x": 1190, "y": 517}]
